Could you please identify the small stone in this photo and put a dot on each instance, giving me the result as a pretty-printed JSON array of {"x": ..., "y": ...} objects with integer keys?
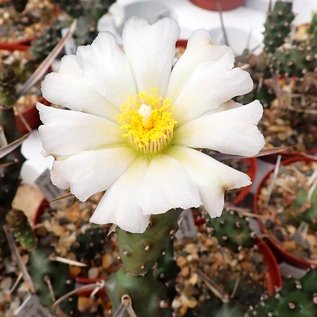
[
  {"x": 93, "y": 272},
  {"x": 74, "y": 271},
  {"x": 107, "y": 260},
  {"x": 84, "y": 303},
  {"x": 185, "y": 271},
  {"x": 181, "y": 261}
]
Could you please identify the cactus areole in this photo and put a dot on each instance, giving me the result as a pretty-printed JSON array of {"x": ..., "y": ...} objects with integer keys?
[{"x": 133, "y": 124}]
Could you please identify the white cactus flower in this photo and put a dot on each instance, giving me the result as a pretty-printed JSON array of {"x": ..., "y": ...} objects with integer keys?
[{"x": 134, "y": 122}]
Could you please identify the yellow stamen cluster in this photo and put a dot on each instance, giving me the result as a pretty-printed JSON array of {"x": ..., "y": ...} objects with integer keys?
[{"x": 147, "y": 122}]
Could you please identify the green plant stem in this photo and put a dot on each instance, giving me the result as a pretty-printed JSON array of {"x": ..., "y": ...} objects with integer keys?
[{"x": 139, "y": 254}]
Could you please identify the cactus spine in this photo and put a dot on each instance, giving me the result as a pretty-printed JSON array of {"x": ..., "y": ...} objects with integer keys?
[{"x": 139, "y": 253}]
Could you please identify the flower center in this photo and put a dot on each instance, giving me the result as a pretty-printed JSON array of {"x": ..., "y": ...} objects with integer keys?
[{"x": 147, "y": 122}]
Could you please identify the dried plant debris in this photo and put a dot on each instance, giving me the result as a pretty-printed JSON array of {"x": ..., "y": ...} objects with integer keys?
[
  {"x": 66, "y": 237},
  {"x": 292, "y": 118},
  {"x": 238, "y": 276},
  {"x": 292, "y": 208}
]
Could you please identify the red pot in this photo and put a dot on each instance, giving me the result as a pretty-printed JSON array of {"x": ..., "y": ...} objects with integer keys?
[
  {"x": 212, "y": 5},
  {"x": 286, "y": 155},
  {"x": 19, "y": 45},
  {"x": 273, "y": 275},
  {"x": 31, "y": 116},
  {"x": 281, "y": 254},
  {"x": 39, "y": 211},
  {"x": 251, "y": 171}
]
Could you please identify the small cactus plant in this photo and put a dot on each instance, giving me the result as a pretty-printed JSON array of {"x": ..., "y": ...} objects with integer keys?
[
  {"x": 278, "y": 25},
  {"x": 231, "y": 230},
  {"x": 298, "y": 59},
  {"x": 21, "y": 229},
  {"x": 11, "y": 163},
  {"x": 44, "y": 272},
  {"x": 8, "y": 82},
  {"x": 89, "y": 243},
  {"x": 297, "y": 298},
  {"x": 45, "y": 42}
]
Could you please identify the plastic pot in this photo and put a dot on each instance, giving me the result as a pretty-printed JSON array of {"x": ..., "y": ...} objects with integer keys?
[
  {"x": 273, "y": 275},
  {"x": 251, "y": 171},
  {"x": 212, "y": 5},
  {"x": 31, "y": 116},
  {"x": 20, "y": 45},
  {"x": 281, "y": 254}
]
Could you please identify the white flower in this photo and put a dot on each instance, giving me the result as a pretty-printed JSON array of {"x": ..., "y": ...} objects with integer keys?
[{"x": 133, "y": 122}]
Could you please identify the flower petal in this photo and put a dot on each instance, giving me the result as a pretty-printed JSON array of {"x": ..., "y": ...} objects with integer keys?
[
  {"x": 67, "y": 132},
  {"x": 106, "y": 68},
  {"x": 211, "y": 177},
  {"x": 67, "y": 88},
  {"x": 208, "y": 88},
  {"x": 231, "y": 131},
  {"x": 166, "y": 186},
  {"x": 119, "y": 205},
  {"x": 151, "y": 49},
  {"x": 90, "y": 172},
  {"x": 199, "y": 49}
]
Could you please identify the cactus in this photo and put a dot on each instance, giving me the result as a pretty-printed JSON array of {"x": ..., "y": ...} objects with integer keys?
[
  {"x": 297, "y": 298},
  {"x": 167, "y": 270},
  {"x": 231, "y": 230},
  {"x": 45, "y": 43},
  {"x": 305, "y": 211},
  {"x": 42, "y": 270},
  {"x": 8, "y": 82},
  {"x": 11, "y": 163},
  {"x": 21, "y": 229},
  {"x": 298, "y": 59},
  {"x": 278, "y": 25},
  {"x": 139, "y": 253},
  {"x": 89, "y": 243},
  {"x": 87, "y": 13}
]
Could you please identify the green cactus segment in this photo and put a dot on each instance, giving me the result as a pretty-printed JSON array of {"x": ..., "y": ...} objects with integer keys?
[
  {"x": 297, "y": 298},
  {"x": 9, "y": 174},
  {"x": 139, "y": 252},
  {"x": 87, "y": 13},
  {"x": 90, "y": 244},
  {"x": 45, "y": 43},
  {"x": 146, "y": 293},
  {"x": 294, "y": 61},
  {"x": 42, "y": 269},
  {"x": 21, "y": 229},
  {"x": 278, "y": 25},
  {"x": 167, "y": 270},
  {"x": 308, "y": 209},
  {"x": 92, "y": 8},
  {"x": 298, "y": 59},
  {"x": 73, "y": 7},
  {"x": 231, "y": 230},
  {"x": 8, "y": 82}
]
